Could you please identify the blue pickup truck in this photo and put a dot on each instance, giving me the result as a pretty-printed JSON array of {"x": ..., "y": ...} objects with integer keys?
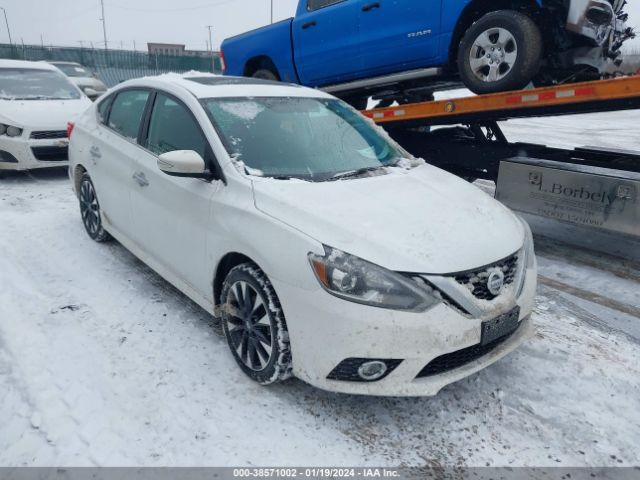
[{"x": 402, "y": 50}]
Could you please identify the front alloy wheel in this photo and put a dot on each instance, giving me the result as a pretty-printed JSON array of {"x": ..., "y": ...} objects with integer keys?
[
  {"x": 493, "y": 55},
  {"x": 254, "y": 325},
  {"x": 501, "y": 51},
  {"x": 90, "y": 210}
]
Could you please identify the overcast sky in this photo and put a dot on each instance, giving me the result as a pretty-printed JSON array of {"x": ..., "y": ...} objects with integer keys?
[{"x": 67, "y": 22}]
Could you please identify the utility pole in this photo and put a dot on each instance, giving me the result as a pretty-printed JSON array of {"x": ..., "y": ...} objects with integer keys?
[
  {"x": 7, "y": 22},
  {"x": 272, "y": 12},
  {"x": 213, "y": 60},
  {"x": 104, "y": 26}
]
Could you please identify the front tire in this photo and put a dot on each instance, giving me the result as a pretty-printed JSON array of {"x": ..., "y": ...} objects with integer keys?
[
  {"x": 254, "y": 325},
  {"x": 502, "y": 51},
  {"x": 90, "y": 210}
]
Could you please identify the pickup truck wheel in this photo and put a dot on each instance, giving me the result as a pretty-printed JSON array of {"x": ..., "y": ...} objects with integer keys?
[
  {"x": 265, "y": 74},
  {"x": 502, "y": 51}
]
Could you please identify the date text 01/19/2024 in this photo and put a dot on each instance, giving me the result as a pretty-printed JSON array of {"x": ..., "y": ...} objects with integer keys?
[{"x": 316, "y": 473}]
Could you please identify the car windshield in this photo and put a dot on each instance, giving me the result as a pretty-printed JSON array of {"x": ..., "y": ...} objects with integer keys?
[
  {"x": 71, "y": 70},
  {"x": 32, "y": 84},
  {"x": 308, "y": 138}
]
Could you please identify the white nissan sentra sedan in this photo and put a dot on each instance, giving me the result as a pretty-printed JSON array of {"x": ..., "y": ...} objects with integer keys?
[
  {"x": 36, "y": 103},
  {"x": 326, "y": 250}
]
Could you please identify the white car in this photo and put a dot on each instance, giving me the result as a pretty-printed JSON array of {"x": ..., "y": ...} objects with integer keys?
[
  {"x": 87, "y": 81},
  {"x": 326, "y": 251},
  {"x": 36, "y": 103}
]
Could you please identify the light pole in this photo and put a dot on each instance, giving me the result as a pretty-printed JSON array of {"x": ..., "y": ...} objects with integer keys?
[
  {"x": 213, "y": 60},
  {"x": 7, "y": 22},
  {"x": 104, "y": 26},
  {"x": 271, "y": 11}
]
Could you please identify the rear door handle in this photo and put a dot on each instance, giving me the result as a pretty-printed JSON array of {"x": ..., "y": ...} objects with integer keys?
[
  {"x": 312, "y": 23},
  {"x": 370, "y": 6},
  {"x": 95, "y": 152},
  {"x": 141, "y": 179}
]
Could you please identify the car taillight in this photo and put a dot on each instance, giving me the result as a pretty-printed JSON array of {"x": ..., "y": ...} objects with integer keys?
[
  {"x": 223, "y": 64},
  {"x": 70, "y": 126}
]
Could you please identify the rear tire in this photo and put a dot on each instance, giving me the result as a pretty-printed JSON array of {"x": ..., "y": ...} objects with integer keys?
[
  {"x": 90, "y": 210},
  {"x": 254, "y": 325},
  {"x": 266, "y": 74},
  {"x": 501, "y": 51}
]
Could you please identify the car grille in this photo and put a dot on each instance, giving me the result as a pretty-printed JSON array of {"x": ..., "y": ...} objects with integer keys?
[
  {"x": 476, "y": 280},
  {"x": 51, "y": 154},
  {"x": 457, "y": 359},
  {"x": 49, "y": 134}
]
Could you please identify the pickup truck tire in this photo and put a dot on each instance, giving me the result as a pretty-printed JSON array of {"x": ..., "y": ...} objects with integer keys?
[
  {"x": 265, "y": 74},
  {"x": 501, "y": 51}
]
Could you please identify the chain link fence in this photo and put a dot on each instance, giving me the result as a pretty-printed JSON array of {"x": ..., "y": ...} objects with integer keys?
[{"x": 113, "y": 66}]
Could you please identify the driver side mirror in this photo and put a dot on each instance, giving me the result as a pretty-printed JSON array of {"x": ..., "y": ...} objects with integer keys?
[{"x": 183, "y": 163}]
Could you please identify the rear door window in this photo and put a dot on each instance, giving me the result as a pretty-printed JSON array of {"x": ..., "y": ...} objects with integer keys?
[
  {"x": 127, "y": 111},
  {"x": 173, "y": 127}
]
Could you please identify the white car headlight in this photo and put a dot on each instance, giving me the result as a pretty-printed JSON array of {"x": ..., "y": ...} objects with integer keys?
[
  {"x": 359, "y": 281},
  {"x": 528, "y": 253},
  {"x": 10, "y": 130}
]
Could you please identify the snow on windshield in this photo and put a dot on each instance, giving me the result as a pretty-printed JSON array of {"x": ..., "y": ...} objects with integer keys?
[
  {"x": 305, "y": 138},
  {"x": 32, "y": 84},
  {"x": 248, "y": 110}
]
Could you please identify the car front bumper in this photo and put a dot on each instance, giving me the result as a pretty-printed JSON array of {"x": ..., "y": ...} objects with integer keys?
[
  {"x": 583, "y": 19},
  {"x": 325, "y": 331},
  {"x": 25, "y": 153}
]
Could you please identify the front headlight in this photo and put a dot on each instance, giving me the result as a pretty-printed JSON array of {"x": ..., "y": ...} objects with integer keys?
[
  {"x": 357, "y": 280},
  {"x": 528, "y": 253},
  {"x": 10, "y": 130},
  {"x": 14, "y": 131}
]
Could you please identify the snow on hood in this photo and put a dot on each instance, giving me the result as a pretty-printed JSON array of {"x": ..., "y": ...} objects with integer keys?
[
  {"x": 42, "y": 114},
  {"x": 422, "y": 220}
]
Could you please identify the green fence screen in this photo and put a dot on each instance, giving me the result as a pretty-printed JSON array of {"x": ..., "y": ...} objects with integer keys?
[{"x": 113, "y": 66}]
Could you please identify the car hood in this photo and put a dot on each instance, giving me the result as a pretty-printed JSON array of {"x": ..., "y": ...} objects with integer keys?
[
  {"x": 42, "y": 114},
  {"x": 84, "y": 82},
  {"x": 422, "y": 220}
]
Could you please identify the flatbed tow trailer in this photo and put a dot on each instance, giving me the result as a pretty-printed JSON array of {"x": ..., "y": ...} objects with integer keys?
[{"x": 586, "y": 186}]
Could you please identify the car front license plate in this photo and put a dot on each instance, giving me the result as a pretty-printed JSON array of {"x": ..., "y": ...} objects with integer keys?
[{"x": 501, "y": 326}]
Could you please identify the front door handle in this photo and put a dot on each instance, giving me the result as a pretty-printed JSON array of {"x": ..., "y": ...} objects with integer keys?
[
  {"x": 95, "y": 152},
  {"x": 370, "y": 6},
  {"x": 312, "y": 23},
  {"x": 141, "y": 179}
]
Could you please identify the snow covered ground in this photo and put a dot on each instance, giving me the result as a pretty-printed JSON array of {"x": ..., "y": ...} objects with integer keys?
[{"x": 103, "y": 363}]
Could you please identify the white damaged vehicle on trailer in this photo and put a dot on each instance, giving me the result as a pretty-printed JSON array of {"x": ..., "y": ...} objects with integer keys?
[
  {"x": 325, "y": 250},
  {"x": 36, "y": 103}
]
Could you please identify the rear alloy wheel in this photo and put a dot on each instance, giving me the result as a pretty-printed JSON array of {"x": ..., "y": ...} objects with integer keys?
[
  {"x": 90, "y": 210},
  {"x": 254, "y": 325},
  {"x": 502, "y": 51}
]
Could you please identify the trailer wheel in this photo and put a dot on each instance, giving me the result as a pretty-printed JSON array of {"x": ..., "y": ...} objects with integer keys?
[
  {"x": 501, "y": 51},
  {"x": 265, "y": 74}
]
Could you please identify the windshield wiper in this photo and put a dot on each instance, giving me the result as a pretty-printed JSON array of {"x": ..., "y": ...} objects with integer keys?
[{"x": 355, "y": 173}]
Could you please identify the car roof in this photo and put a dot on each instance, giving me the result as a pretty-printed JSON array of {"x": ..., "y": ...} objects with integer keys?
[
  {"x": 208, "y": 85},
  {"x": 27, "y": 65}
]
